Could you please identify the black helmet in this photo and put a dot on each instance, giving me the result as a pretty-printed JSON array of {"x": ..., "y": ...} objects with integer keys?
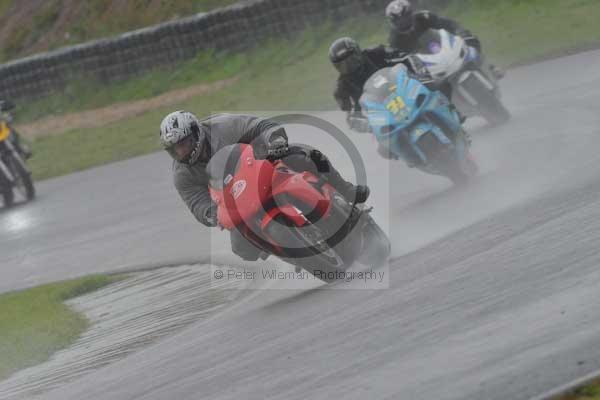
[
  {"x": 182, "y": 137},
  {"x": 399, "y": 14},
  {"x": 346, "y": 56}
]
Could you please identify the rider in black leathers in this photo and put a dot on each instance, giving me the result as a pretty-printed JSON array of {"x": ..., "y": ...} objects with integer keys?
[
  {"x": 356, "y": 66},
  {"x": 407, "y": 26},
  {"x": 15, "y": 138}
]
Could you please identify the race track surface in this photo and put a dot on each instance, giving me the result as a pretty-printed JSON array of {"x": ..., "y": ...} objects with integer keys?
[{"x": 494, "y": 290}]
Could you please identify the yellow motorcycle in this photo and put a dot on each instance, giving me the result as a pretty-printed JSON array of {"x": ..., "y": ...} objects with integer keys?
[{"x": 14, "y": 173}]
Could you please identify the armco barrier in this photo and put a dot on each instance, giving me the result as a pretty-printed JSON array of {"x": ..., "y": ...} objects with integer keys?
[{"x": 234, "y": 28}]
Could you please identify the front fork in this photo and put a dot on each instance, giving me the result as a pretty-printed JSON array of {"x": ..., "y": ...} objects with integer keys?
[
  {"x": 7, "y": 173},
  {"x": 11, "y": 151}
]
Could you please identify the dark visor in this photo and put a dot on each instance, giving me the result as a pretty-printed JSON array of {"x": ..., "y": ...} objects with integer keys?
[
  {"x": 349, "y": 64},
  {"x": 182, "y": 150},
  {"x": 403, "y": 23}
]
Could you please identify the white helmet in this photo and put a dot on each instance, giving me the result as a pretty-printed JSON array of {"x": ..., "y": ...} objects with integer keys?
[{"x": 182, "y": 136}]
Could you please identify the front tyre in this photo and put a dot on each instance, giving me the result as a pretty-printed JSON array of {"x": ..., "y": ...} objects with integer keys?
[
  {"x": 446, "y": 160},
  {"x": 462, "y": 172},
  {"x": 6, "y": 191},
  {"x": 493, "y": 110},
  {"x": 376, "y": 246},
  {"x": 486, "y": 96},
  {"x": 305, "y": 247},
  {"x": 23, "y": 181}
]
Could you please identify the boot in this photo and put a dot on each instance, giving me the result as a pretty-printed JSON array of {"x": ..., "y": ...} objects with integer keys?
[
  {"x": 356, "y": 194},
  {"x": 497, "y": 71},
  {"x": 25, "y": 150}
]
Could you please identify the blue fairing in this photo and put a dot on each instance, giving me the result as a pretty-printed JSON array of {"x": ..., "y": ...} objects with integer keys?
[{"x": 396, "y": 104}]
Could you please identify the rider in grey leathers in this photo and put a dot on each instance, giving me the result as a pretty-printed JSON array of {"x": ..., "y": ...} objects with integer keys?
[{"x": 192, "y": 143}]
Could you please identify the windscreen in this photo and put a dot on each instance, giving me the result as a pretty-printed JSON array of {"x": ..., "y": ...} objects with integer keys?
[
  {"x": 430, "y": 42},
  {"x": 382, "y": 84}
]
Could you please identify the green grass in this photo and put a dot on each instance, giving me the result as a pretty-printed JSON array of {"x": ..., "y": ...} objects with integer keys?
[
  {"x": 296, "y": 75},
  {"x": 589, "y": 392},
  {"x": 87, "y": 20},
  {"x": 35, "y": 323},
  {"x": 100, "y": 18},
  {"x": 520, "y": 31},
  {"x": 84, "y": 94},
  {"x": 272, "y": 78}
]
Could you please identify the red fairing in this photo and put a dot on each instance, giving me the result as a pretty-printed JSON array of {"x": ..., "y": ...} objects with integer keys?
[
  {"x": 291, "y": 212},
  {"x": 260, "y": 182},
  {"x": 243, "y": 197},
  {"x": 298, "y": 186}
]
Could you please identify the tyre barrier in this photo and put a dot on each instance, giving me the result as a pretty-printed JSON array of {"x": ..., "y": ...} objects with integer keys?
[{"x": 234, "y": 28}]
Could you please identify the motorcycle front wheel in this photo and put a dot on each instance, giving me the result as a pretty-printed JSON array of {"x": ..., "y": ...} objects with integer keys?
[
  {"x": 8, "y": 196},
  {"x": 376, "y": 246},
  {"x": 23, "y": 181},
  {"x": 493, "y": 110},
  {"x": 306, "y": 247},
  {"x": 444, "y": 159}
]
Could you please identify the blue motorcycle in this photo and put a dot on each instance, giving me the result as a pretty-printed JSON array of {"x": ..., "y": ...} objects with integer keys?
[{"x": 418, "y": 125}]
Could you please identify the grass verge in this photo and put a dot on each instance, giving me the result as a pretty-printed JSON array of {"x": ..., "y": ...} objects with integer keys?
[
  {"x": 589, "y": 392},
  {"x": 296, "y": 75},
  {"x": 55, "y": 23},
  {"x": 35, "y": 323}
]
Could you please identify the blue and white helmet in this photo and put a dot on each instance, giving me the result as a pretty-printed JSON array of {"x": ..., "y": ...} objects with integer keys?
[{"x": 182, "y": 136}]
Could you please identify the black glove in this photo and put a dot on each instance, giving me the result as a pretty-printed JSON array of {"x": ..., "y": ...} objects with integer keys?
[
  {"x": 386, "y": 153},
  {"x": 277, "y": 147},
  {"x": 209, "y": 218},
  {"x": 271, "y": 145}
]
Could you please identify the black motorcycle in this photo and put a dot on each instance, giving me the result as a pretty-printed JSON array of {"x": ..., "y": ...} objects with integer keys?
[{"x": 14, "y": 173}]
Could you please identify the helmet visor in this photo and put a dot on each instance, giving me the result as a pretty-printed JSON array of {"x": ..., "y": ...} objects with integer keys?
[
  {"x": 402, "y": 23},
  {"x": 349, "y": 64},
  {"x": 182, "y": 150}
]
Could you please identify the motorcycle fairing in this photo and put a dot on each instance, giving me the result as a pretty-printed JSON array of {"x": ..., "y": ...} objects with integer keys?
[
  {"x": 236, "y": 188},
  {"x": 443, "y": 53},
  {"x": 399, "y": 105},
  {"x": 300, "y": 190},
  {"x": 4, "y": 131},
  {"x": 241, "y": 193}
]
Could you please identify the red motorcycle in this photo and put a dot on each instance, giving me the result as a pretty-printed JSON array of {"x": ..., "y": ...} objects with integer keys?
[{"x": 296, "y": 216}]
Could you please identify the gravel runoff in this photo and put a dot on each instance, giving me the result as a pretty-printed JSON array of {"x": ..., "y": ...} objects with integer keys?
[{"x": 125, "y": 317}]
